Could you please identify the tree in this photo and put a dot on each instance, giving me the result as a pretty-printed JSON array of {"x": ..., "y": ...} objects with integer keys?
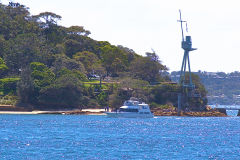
[
  {"x": 92, "y": 64},
  {"x": 153, "y": 56},
  {"x": 78, "y": 30},
  {"x": 3, "y": 67},
  {"x": 165, "y": 93},
  {"x": 113, "y": 59},
  {"x": 72, "y": 47},
  {"x": 33, "y": 79},
  {"x": 128, "y": 88},
  {"x": 42, "y": 76},
  {"x": 146, "y": 69},
  {"x": 25, "y": 89},
  {"x": 100, "y": 71},
  {"x": 102, "y": 98},
  {"x": 48, "y": 23},
  {"x": 46, "y": 19},
  {"x": 16, "y": 21},
  {"x": 130, "y": 53},
  {"x": 88, "y": 59},
  {"x": 65, "y": 92},
  {"x": 8, "y": 85},
  {"x": 198, "y": 96},
  {"x": 24, "y": 49},
  {"x": 62, "y": 61},
  {"x": 137, "y": 88},
  {"x": 53, "y": 61},
  {"x": 75, "y": 73}
]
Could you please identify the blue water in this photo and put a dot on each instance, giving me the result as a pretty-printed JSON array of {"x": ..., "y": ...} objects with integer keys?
[{"x": 40, "y": 137}]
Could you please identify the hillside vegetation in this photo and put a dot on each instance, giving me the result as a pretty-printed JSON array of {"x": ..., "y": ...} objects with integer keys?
[
  {"x": 222, "y": 88},
  {"x": 47, "y": 66}
]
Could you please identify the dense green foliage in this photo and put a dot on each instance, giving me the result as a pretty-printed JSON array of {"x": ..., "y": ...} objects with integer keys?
[
  {"x": 8, "y": 85},
  {"x": 60, "y": 67},
  {"x": 3, "y": 67}
]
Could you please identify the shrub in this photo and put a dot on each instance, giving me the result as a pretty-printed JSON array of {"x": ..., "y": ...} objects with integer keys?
[{"x": 8, "y": 85}]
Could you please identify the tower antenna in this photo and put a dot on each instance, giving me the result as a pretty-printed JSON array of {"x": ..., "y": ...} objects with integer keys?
[{"x": 187, "y": 86}]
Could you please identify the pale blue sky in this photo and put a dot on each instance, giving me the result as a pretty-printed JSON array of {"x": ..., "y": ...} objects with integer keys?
[{"x": 144, "y": 24}]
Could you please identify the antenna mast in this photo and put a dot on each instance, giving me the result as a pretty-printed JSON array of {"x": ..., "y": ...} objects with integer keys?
[
  {"x": 181, "y": 21},
  {"x": 187, "y": 86}
]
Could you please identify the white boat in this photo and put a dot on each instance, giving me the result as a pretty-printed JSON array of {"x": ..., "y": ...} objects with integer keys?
[{"x": 132, "y": 109}]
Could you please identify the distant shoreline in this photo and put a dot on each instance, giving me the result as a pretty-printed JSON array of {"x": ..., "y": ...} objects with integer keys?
[
  {"x": 8, "y": 109},
  {"x": 101, "y": 112}
]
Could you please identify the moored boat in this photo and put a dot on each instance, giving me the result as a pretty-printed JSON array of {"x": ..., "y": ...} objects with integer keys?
[{"x": 132, "y": 109}]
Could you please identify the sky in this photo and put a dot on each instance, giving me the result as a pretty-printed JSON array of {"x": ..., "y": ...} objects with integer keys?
[{"x": 143, "y": 25}]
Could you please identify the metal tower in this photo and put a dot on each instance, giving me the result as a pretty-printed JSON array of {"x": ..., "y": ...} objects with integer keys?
[{"x": 186, "y": 85}]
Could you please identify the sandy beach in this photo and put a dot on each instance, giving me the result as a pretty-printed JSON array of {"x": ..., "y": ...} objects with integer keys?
[{"x": 83, "y": 111}]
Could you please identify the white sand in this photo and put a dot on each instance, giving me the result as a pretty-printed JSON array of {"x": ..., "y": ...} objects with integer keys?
[{"x": 49, "y": 112}]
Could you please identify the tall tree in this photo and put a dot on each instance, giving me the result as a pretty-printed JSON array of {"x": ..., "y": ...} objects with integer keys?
[
  {"x": 48, "y": 22},
  {"x": 146, "y": 69},
  {"x": 89, "y": 60},
  {"x": 62, "y": 61},
  {"x": 65, "y": 92},
  {"x": 14, "y": 21},
  {"x": 24, "y": 49},
  {"x": 42, "y": 76},
  {"x": 78, "y": 30},
  {"x": 46, "y": 19},
  {"x": 113, "y": 59},
  {"x": 25, "y": 89}
]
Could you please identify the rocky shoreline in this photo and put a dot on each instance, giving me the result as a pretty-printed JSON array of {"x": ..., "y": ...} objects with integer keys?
[
  {"x": 191, "y": 114},
  {"x": 156, "y": 112},
  {"x": 208, "y": 113}
]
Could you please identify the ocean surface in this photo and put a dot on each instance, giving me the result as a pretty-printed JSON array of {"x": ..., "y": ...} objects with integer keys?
[{"x": 40, "y": 137}]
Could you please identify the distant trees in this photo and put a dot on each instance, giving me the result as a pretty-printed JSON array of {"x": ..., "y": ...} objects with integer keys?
[{"x": 223, "y": 88}]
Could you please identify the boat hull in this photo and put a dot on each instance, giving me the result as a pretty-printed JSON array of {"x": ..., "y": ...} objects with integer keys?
[{"x": 128, "y": 115}]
